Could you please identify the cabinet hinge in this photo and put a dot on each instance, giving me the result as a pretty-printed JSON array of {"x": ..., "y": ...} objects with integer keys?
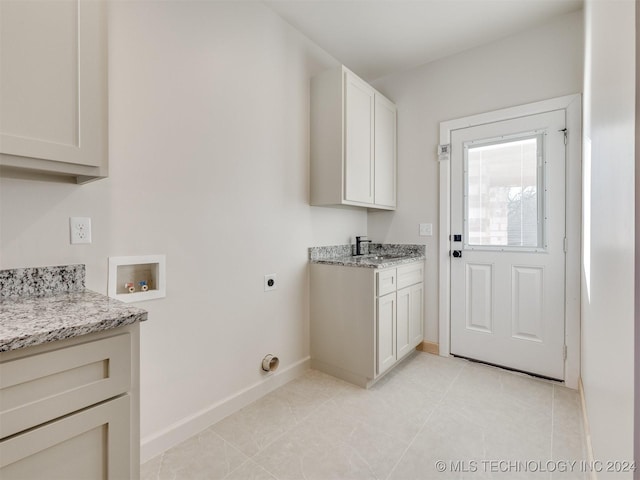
[
  {"x": 566, "y": 132},
  {"x": 566, "y": 245},
  {"x": 565, "y": 352},
  {"x": 443, "y": 152}
]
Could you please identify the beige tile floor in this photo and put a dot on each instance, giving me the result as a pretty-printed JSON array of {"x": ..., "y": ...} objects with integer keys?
[{"x": 487, "y": 422}]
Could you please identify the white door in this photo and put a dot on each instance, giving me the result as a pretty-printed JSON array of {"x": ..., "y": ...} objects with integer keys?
[{"x": 508, "y": 237}]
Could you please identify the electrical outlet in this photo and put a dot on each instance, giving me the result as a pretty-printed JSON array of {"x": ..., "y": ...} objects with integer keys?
[
  {"x": 426, "y": 229},
  {"x": 270, "y": 282},
  {"x": 80, "y": 230}
]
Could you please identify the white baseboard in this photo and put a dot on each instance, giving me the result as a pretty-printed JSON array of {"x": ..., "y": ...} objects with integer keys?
[
  {"x": 178, "y": 432},
  {"x": 587, "y": 431}
]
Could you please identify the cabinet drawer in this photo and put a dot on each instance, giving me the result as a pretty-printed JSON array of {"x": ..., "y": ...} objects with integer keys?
[
  {"x": 386, "y": 282},
  {"x": 410, "y": 274},
  {"x": 91, "y": 444},
  {"x": 38, "y": 388}
]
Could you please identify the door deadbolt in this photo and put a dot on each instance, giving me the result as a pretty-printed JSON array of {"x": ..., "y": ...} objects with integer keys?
[{"x": 457, "y": 253}]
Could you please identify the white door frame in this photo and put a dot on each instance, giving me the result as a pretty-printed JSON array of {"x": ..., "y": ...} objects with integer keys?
[{"x": 572, "y": 104}]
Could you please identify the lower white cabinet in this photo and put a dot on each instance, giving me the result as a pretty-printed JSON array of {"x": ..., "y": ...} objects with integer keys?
[
  {"x": 69, "y": 409},
  {"x": 399, "y": 318},
  {"x": 364, "y": 321}
]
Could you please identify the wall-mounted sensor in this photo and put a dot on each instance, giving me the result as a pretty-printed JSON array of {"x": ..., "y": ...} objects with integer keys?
[{"x": 270, "y": 282}]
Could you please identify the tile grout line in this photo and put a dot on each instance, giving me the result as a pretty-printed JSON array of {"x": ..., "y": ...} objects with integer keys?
[
  {"x": 355, "y": 451},
  {"x": 159, "y": 470},
  {"x": 160, "y": 466},
  {"x": 332, "y": 393},
  {"x": 246, "y": 457},
  {"x": 359, "y": 421},
  {"x": 425, "y": 423},
  {"x": 249, "y": 460},
  {"x": 304, "y": 477},
  {"x": 288, "y": 430}
]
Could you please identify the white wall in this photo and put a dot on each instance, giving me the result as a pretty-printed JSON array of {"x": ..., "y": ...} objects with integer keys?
[
  {"x": 209, "y": 164},
  {"x": 541, "y": 63},
  {"x": 608, "y": 287}
]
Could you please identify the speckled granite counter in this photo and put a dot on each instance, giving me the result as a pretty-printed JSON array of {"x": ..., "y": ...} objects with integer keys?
[
  {"x": 380, "y": 255},
  {"x": 40, "y": 305}
]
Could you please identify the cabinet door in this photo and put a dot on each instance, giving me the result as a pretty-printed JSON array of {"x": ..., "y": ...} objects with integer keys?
[
  {"x": 386, "y": 334},
  {"x": 409, "y": 318},
  {"x": 91, "y": 444},
  {"x": 416, "y": 309},
  {"x": 358, "y": 140},
  {"x": 53, "y": 82},
  {"x": 403, "y": 320},
  {"x": 385, "y": 152}
]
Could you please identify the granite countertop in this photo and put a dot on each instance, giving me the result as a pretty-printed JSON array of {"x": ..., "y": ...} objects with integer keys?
[
  {"x": 379, "y": 255},
  {"x": 55, "y": 307}
]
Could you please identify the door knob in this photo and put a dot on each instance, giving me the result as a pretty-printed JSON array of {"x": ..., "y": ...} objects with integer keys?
[{"x": 457, "y": 253}]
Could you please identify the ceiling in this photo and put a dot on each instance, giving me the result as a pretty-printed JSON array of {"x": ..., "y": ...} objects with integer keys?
[{"x": 378, "y": 37}]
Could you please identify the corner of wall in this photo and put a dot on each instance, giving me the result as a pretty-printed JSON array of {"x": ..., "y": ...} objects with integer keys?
[{"x": 585, "y": 423}]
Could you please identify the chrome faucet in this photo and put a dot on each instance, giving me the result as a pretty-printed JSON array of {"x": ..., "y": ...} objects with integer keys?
[{"x": 359, "y": 242}]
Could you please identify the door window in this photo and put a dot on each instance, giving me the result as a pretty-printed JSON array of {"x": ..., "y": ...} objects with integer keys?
[{"x": 504, "y": 193}]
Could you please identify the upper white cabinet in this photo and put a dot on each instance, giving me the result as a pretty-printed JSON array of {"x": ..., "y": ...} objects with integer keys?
[
  {"x": 353, "y": 142},
  {"x": 53, "y": 87}
]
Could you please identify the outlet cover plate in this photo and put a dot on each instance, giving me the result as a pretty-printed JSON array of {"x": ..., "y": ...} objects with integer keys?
[
  {"x": 426, "y": 229},
  {"x": 80, "y": 230}
]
